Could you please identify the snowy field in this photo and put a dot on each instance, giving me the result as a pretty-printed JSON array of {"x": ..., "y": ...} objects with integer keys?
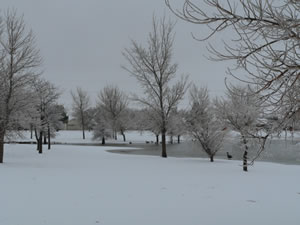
[
  {"x": 74, "y": 136},
  {"x": 85, "y": 185}
]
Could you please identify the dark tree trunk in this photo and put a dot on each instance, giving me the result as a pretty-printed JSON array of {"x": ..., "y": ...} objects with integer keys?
[
  {"x": 1, "y": 147},
  {"x": 163, "y": 146},
  {"x": 45, "y": 139},
  {"x": 157, "y": 139},
  {"x": 124, "y": 137},
  {"x": 40, "y": 143},
  {"x": 83, "y": 125},
  {"x": 83, "y": 133},
  {"x": 178, "y": 139},
  {"x": 49, "y": 143},
  {"x": 171, "y": 139},
  {"x": 103, "y": 140},
  {"x": 37, "y": 139},
  {"x": 31, "y": 131},
  {"x": 37, "y": 144},
  {"x": 245, "y": 164},
  {"x": 211, "y": 158}
]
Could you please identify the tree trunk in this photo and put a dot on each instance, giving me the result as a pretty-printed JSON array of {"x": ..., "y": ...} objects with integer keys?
[
  {"x": 245, "y": 168},
  {"x": 245, "y": 164},
  {"x": 103, "y": 140},
  {"x": 82, "y": 124},
  {"x": 83, "y": 133},
  {"x": 31, "y": 131},
  {"x": 49, "y": 143},
  {"x": 157, "y": 139},
  {"x": 178, "y": 139},
  {"x": 124, "y": 137},
  {"x": 37, "y": 140},
  {"x": 1, "y": 147},
  {"x": 211, "y": 158},
  {"x": 45, "y": 139},
  {"x": 171, "y": 139},
  {"x": 40, "y": 143},
  {"x": 163, "y": 146}
]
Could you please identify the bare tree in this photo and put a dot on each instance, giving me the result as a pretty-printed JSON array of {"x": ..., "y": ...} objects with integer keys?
[
  {"x": 176, "y": 125},
  {"x": 124, "y": 122},
  {"x": 90, "y": 118},
  {"x": 19, "y": 60},
  {"x": 243, "y": 112},
  {"x": 54, "y": 116},
  {"x": 291, "y": 101},
  {"x": 264, "y": 42},
  {"x": 153, "y": 68},
  {"x": 114, "y": 103},
  {"x": 148, "y": 120},
  {"x": 203, "y": 124},
  {"x": 81, "y": 104},
  {"x": 64, "y": 116},
  {"x": 101, "y": 129},
  {"x": 47, "y": 115}
]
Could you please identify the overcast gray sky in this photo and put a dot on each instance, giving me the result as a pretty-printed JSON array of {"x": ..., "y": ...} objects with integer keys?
[{"x": 81, "y": 43}]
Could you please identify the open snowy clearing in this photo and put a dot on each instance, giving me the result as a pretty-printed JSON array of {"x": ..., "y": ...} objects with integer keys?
[
  {"x": 78, "y": 185},
  {"x": 75, "y": 136}
]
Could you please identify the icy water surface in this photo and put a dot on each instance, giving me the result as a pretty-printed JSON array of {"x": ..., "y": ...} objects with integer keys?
[{"x": 278, "y": 150}]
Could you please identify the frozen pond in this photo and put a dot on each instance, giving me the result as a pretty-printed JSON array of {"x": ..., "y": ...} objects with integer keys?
[{"x": 277, "y": 150}]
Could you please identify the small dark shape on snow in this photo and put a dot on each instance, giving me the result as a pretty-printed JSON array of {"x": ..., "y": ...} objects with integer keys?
[
  {"x": 252, "y": 201},
  {"x": 228, "y": 155},
  {"x": 147, "y": 142},
  {"x": 130, "y": 142}
]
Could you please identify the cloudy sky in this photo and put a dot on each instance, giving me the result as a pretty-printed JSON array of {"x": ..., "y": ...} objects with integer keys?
[{"x": 81, "y": 42}]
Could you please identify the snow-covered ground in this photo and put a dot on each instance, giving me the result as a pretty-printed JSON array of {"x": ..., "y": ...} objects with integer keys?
[
  {"x": 85, "y": 185},
  {"x": 74, "y": 136}
]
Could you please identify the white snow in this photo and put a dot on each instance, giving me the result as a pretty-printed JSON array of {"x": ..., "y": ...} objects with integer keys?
[
  {"x": 74, "y": 136},
  {"x": 78, "y": 185}
]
